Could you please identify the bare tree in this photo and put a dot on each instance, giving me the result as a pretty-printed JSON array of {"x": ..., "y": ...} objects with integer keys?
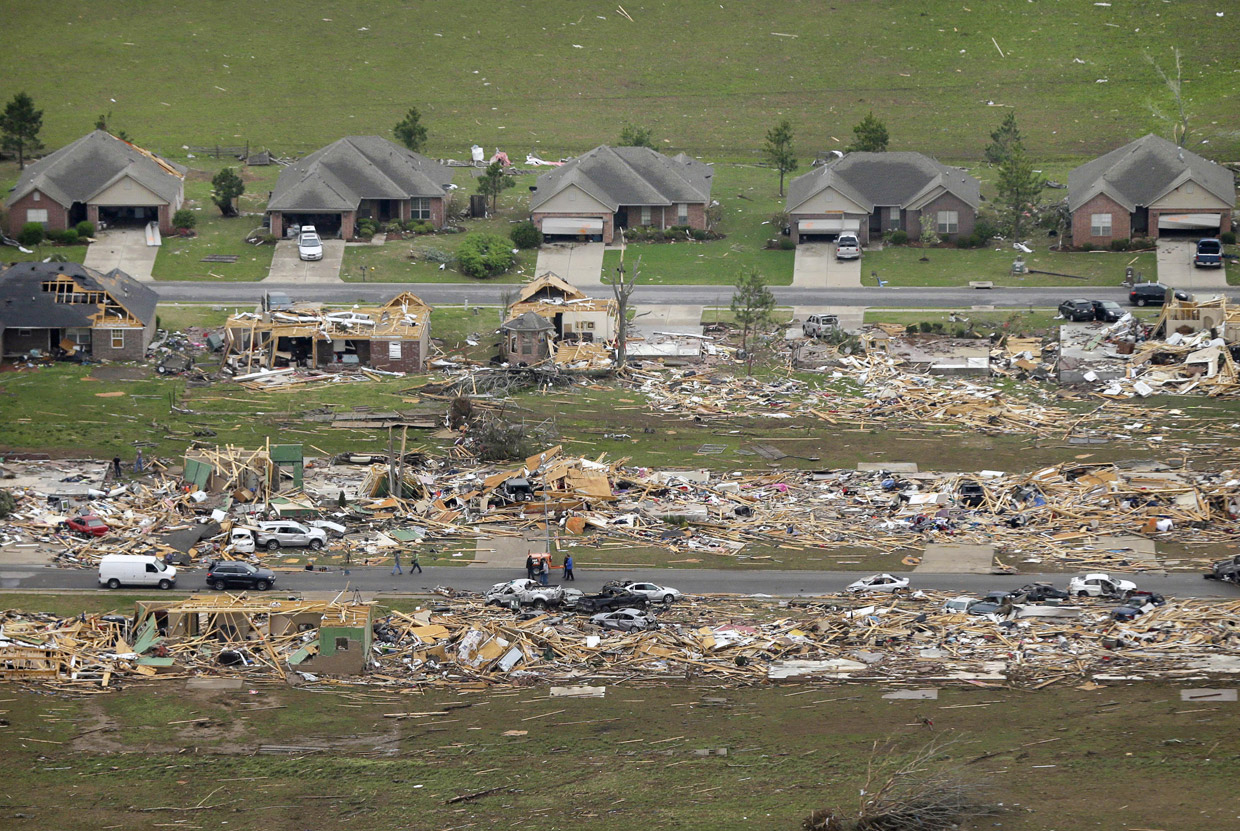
[
  {"x": 622, "y": 285},
  {"x": 1179, "y": 127}
]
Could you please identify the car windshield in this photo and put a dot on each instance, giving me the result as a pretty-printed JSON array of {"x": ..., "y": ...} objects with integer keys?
[
  {"x": 94, "y": 522},
  {"x": 159, "y": 565},
  {"x": 309, "y": 239}
]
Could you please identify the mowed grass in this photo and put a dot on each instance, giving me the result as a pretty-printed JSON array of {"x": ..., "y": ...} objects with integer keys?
[
  {"x": 693, "y": 756},
  {"x": 561, "y": 78},
  {"x": 904, "y": 266}
]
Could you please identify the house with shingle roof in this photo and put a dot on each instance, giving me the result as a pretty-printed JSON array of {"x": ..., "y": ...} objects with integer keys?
[
  {"x": 100, "y": 178},
  {"x": 870, "y": 194},
  {"x": 620, "y": 187},
  {"x": 1148, "y": 188},
  {"x": 354, "y": 178},
  {"x": 66, "y": 306}
]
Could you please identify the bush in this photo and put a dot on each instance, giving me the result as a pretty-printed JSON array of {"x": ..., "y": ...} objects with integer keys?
[
  {"x": 698, "y": 234},
  {"x": 1228, "y": 237},
  {"x": 394, "y": 227},
  {"x": 32, "y": 234},
  {"x": 366, "y": 228},
  {"x": 85, "y": 228},
  {"x": 1087, "y": 246},
  {"x": 526, "y": 235},
  {"x": 1140, "y": 243},
  {"x": 66, "y": 237},
  {"x": 484, "y": 255},
  {"x": 965, "y": 242},
  {"x": 898, "y": 237},
  {"x": 269, "y": 239},
  {"x": 786, "y": 244},
  {"x": 985, "y": 230},
  {"x": 1119, "y": 245},
  {"x": 184, "y": 219}
]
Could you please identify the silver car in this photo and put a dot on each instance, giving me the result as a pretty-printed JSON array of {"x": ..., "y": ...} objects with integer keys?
[
  {"x": 309, "y": 246},
  {"x": 624, "y": 620},
  {"x": 847, "y": 247}
]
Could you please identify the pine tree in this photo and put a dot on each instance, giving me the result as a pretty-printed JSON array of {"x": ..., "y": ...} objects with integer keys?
[
  {"x": 410, "y": 130},
  {"x": 779, "y": 152},
  {"x": 870, "y": 136},
  {"x": 1019, "y": 187},
  {"x": 19, "y": 127},
  {"x": 1003, "y": 139}
]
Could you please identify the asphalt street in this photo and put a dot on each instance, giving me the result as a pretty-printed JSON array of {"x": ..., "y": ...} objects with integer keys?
[{"x": 783, "y": 584}]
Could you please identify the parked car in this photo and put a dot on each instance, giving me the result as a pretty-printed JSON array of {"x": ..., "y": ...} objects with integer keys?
[
  {"x": 847, "y": 247},
  {"x": 1154, "y": 294},
  {"x": 288, "y": 534},
  {"x": 817, "y": 326},
  {"x": 879, "y": 583},
  {"x": 116, "y": 570},
  {"x": 1100, "y": 585},
  {"x": 1108, "y": 311},
  {"x": 651, "y": 591},
  {"x": 309, "y": 246},
  {"x": 87, "y": 524},
  {"x": 1209, "y": 254},
  {"x": 1227, "y": 570},
  {"x": 174, "y": 363},
  {"x": 1077, "y": 310},
  {"x": 231, "y": 574},
  {"x": 992, "y": 603},
  {"x": 515, "y": 594},
  {"x": 624, "y": 620},
  {"x": 1042, "y": 592},
  {"x": 277, "y": 301}
]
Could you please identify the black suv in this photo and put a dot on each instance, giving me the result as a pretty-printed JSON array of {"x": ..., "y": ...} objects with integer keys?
[
  {"x": 1154, "y": 294},
  {"x": 238, "y": 575},
  {"x": 1042, "y": 592},
  {"x": 1076, "y": 310}
]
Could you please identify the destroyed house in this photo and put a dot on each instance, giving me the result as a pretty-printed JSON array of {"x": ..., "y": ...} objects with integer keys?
[
  {"x": 66, "y": 308},
  {"x": 394, "y": 337},
  {"x": 574, "y": 316},
  {"x": 870, "y": 194},
  {"x": 99, "y": 178}
]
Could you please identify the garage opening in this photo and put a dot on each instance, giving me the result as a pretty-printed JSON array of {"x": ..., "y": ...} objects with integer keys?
[
  {"x": 127, "y": 216},
  {"x": 825, "y": 230},
  {"x": 293, "y": 351},
  {"x": 328, "y": 225},
  {"x": 572, "y": 229},
  {"x": 1189, "y": 226}
]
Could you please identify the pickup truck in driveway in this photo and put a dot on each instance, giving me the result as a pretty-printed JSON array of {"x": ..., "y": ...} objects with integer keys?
[{"x": 516, "y": 594}]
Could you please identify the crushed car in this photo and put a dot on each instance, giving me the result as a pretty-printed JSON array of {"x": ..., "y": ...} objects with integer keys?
[
  {"x": 523, "y": 592},
  {"x": 625, "y": 620},
  {"x": 879, "y": 583}
]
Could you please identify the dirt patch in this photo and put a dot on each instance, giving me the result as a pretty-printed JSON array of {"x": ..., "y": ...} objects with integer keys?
[{"x": 112, "y": 372}]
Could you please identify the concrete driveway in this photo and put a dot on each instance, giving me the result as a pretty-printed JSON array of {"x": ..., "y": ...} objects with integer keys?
[
  {"x": 843, "y": 274},
  {"x": 287, "y": 267},
  {"x": 577, "y": 263},
  {"x": 123, "y": 248},
  {"x": 1175, "y": 267},
  {"x": 809, "y": 267},
  {"x": 668, "y": 318}
]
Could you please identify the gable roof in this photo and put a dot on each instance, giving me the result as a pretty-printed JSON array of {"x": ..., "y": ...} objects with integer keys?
[
  {"x": 899, "y": 179},
  {"x": 24, "y": 303},
  {"x": 79, "y": 171},
  {"x": 339, "y": 176},
  {"x": 1141, "y": 171},
  {"x": 528, "y": 322},
  {"x": 551, "y": 285},
  {"x": 618, "y": 176}
]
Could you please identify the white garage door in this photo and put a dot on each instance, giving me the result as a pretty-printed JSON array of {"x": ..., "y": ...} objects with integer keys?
[
  {"x": 573, "y": 226},
  {"x": 828, "y": 226},
  {"x": 1172, "y": 222}
]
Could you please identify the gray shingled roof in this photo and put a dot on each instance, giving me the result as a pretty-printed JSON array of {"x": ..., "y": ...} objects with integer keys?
[
  {"x": 79, "y": 171},
  {"x": 339, "y": 176},
  {"x": 1141, "y": 171},
  {"x": 629, "y": 176},
  {"x": 527, "y": 322},
  {"x": 873, "y": 180},
  {"x": 23, "y": 303}
]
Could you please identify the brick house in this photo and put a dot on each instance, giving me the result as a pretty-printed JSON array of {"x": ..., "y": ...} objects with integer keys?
[
  {"x": 620, "y": 187},
  {"x": 99, "y": 178},
  {"x": 354, "y": 178},
  {"x": 870, "y": 194},
  {"x": 527, "y": 339},
  {"x": 1148, "y": 188},
  {"x": 574, "y": 315},
  {"x": 65, "y": 306}
]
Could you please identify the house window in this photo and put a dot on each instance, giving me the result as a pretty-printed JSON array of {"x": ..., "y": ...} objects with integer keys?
[
  {"x": 1100, "y": 225},
  {"x": 646, "y": 215},
  {"x": 682, "y": 214},
  {"x": 118, "y": 338},
  {"x": 589, "y": 324},
  {"x": 893, "y": 219},
  {"x": 39, "y": 215},
  {"x": 394, "y": 350},
  {"x": 342, "y": 644},
  {"x": 948, "y": 222},
  {"x": 37, "y": 197},
  {"x": 420, "y": 208},
  {"x": 81, "y": 337},
  {"x": 23, "y": 333}
]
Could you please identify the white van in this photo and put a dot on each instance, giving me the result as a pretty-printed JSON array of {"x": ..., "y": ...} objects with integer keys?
[{"x": 116, "y": 570}]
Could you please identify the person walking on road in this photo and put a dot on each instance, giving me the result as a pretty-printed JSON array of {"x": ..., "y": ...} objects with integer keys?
[
  {"x": 568, "y": 567},
  {"x": 529, "y": 567},
  {"x": 544, "y": 572},
  {"x": 396, "y": 568},
  {"x": 414, "y": 562}
]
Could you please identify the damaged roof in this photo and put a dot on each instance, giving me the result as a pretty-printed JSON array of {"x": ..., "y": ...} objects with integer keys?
[
  {"x": 79, "y": 171},
  {"x": 618, "y": 176},
  {"x": 339, "y": 176},
  {"x": 25, "y": 303},
  {"x": 1141, "y": 171},
  {"x": 898, "y": 179}
]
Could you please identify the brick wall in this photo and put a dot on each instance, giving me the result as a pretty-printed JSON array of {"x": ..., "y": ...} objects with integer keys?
[
  {"x": 608, "y": 224},
  {"x": 1121, "y": 221},
  {"x": 165, "y": 219},
  {"x": 410, "y": 359},
  {"x": 348, "y": 224},
  {"x": 277, "y": 224},
  {"x": 948, "y": 202},
  {"x": 57, "y": 215},
  {"x": 101, "y": 348},
  {"x": 15, "y": 342}
]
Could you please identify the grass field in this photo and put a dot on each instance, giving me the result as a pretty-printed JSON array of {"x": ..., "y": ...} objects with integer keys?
[
  {"x": 159, "y": 755},
  {"x": 903, "y": 266},
  {"x": 561, "y": 78}
]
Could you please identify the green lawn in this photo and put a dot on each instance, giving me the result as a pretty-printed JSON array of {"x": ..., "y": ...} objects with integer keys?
[
  {"x": 559, "y": 78},
  {"x": 903, "y": 266}
]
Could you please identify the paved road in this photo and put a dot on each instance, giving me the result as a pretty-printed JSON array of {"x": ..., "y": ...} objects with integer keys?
[{"x": 693, "y": 581}]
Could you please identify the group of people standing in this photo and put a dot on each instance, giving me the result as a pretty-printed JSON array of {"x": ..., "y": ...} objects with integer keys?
[{"x": 540, "y": 569}]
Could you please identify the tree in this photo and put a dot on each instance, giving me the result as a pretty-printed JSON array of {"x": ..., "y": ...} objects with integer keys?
[
  {"x": 1179, "y": 126},
  {"x": 494, "y": 181},
  {"x": 1003, "y": 139},
  {"x": 1019, "y": 187},
  {"x": 779, "y": 152},
  {"x": 410, "y": 131},
  {"x": 19, "y": 127},
  {"x": 525, "y": 235},
  {"x": 184, "y": 220},
  {"x": 484, "y": 255},
  {"x": 929, "y": 230},
  {"x": 225, "y": 187},
  {"x": 632, "y": 135},
  {"x": 870, "y": 136},
  {"x": 622, "y": 285},
  {"x": 752, "y": 305}
]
